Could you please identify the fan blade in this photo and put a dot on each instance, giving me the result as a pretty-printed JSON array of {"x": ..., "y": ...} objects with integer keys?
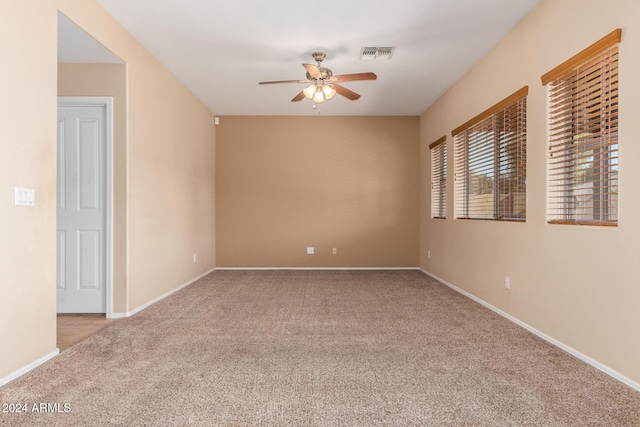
[
  {"x": 284, "y": 81},
  {"x": 352, "y": 77},
  {"x": 346, "y": 92},
  {"x": 312, "y": 70},
  {"x": 298, "y": 97}
]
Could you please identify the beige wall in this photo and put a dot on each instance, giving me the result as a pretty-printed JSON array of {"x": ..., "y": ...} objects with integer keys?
[
  {"x": 27, "y": 159},
  {"x": 577, "y": 284},
  {"x": 285, "y": 183},
  {"x": 108, "y": 80},
  {"x": 170, "y": 166},
  {"x": 170, "y": 173}
]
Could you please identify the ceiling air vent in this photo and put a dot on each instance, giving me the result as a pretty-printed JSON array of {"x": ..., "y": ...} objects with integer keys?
[{"x": 372, "y": 52}]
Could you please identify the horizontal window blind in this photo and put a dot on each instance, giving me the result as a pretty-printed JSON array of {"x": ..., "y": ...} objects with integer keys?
[
  {"x": 490, "y": 163},
  {"x": 582, "y": 166},
  {"x": 439, "y": 178}
]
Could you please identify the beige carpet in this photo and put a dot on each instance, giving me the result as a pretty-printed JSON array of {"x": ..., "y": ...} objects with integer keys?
[{"x": 319, "y": 348}]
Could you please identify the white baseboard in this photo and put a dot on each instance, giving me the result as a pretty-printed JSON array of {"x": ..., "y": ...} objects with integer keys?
[
  {"x": 28, "y": 368},
  {"x": 161, "y": 297},
  {"x": 315, "y": 268},
  {"x": 44, "y": 359},
  {"x": 117, "y": 316},
  {"x": 599, "y": 366}
]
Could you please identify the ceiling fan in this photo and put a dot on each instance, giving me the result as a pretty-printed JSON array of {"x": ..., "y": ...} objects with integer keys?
[{"x": 323, "y": 84}]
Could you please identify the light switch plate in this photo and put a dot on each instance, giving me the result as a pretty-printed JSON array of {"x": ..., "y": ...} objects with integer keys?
[
  {"x": 310, "y": 250},
  {"x": 25, "y": 196}
]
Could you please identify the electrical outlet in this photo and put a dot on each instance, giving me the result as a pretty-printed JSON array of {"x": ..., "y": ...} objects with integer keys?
[
  {"x": 310, "y": 250},
  {"x": 429, "y": 254},
  {"x": 194, "y": 258},
  {"x": 507, "y": 282},
  {"x": 334, "y": 251}
]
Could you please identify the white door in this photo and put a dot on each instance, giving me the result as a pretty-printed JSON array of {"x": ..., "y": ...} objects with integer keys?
[{"x": 81, "y": 209}]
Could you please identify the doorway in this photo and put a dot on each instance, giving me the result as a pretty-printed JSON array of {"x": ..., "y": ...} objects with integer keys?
[{"x": 84, "y": 194}]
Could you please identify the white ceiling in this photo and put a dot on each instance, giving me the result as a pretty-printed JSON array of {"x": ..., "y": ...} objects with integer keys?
[
  {"x": 76, "y": 46},
  {"x": 221, "y": 49}
]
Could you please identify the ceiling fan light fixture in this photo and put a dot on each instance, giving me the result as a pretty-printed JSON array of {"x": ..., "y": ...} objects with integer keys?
[
  {"x": 318, "y": 97},
  {"x": 309, "y": 91},
  {"x": 328, "y": 92}
]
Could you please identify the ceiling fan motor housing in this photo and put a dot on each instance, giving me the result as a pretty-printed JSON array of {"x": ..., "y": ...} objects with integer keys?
[{"x": 325, "y": 73}]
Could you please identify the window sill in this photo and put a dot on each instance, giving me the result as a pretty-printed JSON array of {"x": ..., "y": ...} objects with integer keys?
[
  {"x": 578, "y": 222},
  {"x": 495, "y": 219}
]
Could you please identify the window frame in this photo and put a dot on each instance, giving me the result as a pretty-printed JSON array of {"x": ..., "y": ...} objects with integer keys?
[
  {"x": 438, "y": 152},
  {"x": 604, "y": 205},
  {"x": 462, "y": 180}
]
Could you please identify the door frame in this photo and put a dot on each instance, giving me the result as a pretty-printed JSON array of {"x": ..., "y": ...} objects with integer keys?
[{"x": 107, "y": 103}]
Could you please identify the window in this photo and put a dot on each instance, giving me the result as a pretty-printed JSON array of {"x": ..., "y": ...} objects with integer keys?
[
  {"x": 439, "y": 178},
  {"x": 491, "y": 162},
  {"x": 582, "y": 161}
]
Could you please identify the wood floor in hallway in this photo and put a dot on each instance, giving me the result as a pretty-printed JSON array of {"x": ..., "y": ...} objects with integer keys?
[{"x": 73, "y": 328}]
